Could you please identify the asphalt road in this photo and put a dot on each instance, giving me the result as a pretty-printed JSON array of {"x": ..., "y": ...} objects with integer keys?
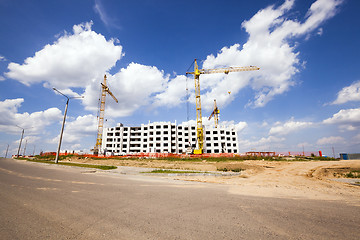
[{"x": 39, "y": 201}]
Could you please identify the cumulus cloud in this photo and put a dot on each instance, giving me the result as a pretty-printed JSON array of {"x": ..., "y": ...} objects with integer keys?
[
  {"x": 74, "y": 60},
  {"x": 269, "y": 47},
  {"x": 288, "y": 127},
  {"x": 76, "y": 131},
  {"x": 33, "y": 123},
  {"x": 240, "y": 126},
  {"x": 77, "y": 61},
  {"x": 134, "y": 86},
  {"x": 80, "y": 60},
  {"x": 349, "y": 93},
  {"x": 173, "y": 94},
  {"x": 346, "y": 118},
  {"x": 330, "y": 140}
]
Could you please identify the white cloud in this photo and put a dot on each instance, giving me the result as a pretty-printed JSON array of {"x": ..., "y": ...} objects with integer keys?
[
  {"x": 304, "y": 144},
  {"x": 99, "y": 9},
  {"x": 28, "y": 140},
  {"x": 79, "y": 60},
  {"x": 2, "y": 78},
  {"x": 264, "y": 124},
  {"x": 74, "y": 60},
  {"x": 263, "y": 144},
  {"x": 238, "y": 127},
  {"x": 134, "y": 86},
  {"x": 349, "y": 93},
  {"x": 76, "y": 131},
  {"x": 173, "y": 94},
  {"x": 2, "y": 58},
  {"x": 269, "y": 47},
  {"x": 346, "y": 118},
  {"x": 320, "y": 31},
  {"x": 330, "y": 140},
  {"x": 288, "y": 127},
  {"x": 33, "y": 123}
]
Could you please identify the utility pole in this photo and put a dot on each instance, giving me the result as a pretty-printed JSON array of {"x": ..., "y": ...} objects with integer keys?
[
  {"x": 62, "y": 131},
  {"x": 22, "y": 135},
  {"x": 25, "y": 148},
  {"x": 7, "y": 151},
  {"x": 303, "y": 151},
  {"x": 63, "y": 123}
]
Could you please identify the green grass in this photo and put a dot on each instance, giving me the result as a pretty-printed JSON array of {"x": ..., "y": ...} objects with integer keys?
[
  {"x": 102, "y": 167},
  {"x": 353, "y": 174},
  {"x": 232, "y": 170}
]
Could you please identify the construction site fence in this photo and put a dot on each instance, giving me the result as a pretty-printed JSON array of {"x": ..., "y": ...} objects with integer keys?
[
  {"x": 204, "y": 155},
  {"x": 166, "y": 155},
  {"x": 284, "y": 154}
]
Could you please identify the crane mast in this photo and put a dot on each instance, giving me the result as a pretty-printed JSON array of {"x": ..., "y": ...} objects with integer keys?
[
  {"x": 104, "y": 89},
  {"x": 197, "y": 72},
  {"x": 199, "y": 128}
]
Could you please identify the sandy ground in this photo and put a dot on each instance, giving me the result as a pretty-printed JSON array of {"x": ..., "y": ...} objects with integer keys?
[{"x": 321, "y": 180}]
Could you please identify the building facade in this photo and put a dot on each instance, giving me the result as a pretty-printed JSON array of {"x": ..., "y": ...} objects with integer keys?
[{"x": 167, "y": 137}]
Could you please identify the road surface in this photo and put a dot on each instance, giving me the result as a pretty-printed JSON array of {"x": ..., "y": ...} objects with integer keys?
[{"x": 41, "y": 201}]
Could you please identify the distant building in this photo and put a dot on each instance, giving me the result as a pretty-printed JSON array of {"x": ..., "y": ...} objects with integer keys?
[{"x": 167, "y": 137}]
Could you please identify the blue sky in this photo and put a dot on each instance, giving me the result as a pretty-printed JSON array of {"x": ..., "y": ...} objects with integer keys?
[{"x": 305, "y": 96}]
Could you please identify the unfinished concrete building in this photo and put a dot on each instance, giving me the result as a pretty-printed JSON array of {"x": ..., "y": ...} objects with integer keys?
[{"x": 167, "y": 137}]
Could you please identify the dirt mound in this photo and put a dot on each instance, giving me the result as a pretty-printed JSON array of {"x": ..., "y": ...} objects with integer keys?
[{"x": 335, "y": 172}]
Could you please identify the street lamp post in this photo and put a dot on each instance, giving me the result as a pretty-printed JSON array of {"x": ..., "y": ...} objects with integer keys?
[
  {"x": 25, "y": 148},
  {"x": 63, "y": 123},
  {"x": 7, "y": 149},
  {"x": 22, "y": 135}
]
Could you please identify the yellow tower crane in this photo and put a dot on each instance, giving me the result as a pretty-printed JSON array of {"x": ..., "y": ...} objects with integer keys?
[
  {"x": 215, "y": 113},
  {"x": 197, "y": 72},
  {"x": 104, "y": 89}
]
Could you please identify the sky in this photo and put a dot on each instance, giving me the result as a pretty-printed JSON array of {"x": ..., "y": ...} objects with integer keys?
[{"x": 305, "y": 97}]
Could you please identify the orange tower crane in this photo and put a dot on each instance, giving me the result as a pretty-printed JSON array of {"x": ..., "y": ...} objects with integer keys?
[
  {"x": 104, "y": 89},
  {"x": 197, "y": 72}
]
